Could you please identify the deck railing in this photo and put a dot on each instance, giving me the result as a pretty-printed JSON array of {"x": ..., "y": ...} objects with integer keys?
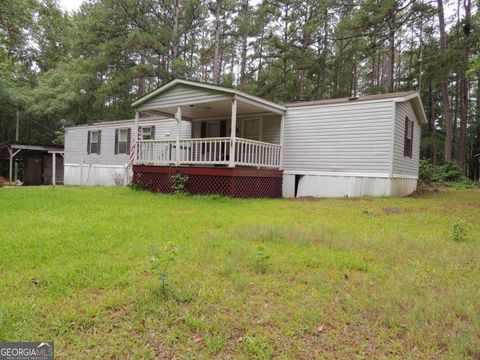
[{"x": 208, "y": 151}]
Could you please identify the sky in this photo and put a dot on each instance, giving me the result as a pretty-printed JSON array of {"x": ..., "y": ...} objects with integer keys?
[{"x": 70, "y": 5}]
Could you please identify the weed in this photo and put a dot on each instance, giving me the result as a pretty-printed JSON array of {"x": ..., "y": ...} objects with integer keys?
[
  {"x": 262, "y": 259},
  {"x": 459, "y": 232},
  {"x": 162, "y": 262}
]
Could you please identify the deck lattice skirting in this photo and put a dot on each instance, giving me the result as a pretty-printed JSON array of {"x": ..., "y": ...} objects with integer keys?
[{"x": 234, "y": 182}]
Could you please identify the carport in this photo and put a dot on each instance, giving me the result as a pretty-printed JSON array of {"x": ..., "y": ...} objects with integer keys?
[{"x": 42, "y": 165}]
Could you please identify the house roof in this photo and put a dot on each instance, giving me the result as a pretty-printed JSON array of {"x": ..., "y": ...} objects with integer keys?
[
  {"x": 351, "y": 99},
  {"x": 413, "y": 96},
  {"x": 118, "y": 122},
  {"x": 209, "y": 87}
]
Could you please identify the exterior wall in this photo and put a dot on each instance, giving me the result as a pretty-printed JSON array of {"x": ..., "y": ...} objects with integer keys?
[
  {"x": 107, "y": 168},
  {"x": 345, "y": 186},
  {"x": 403, "y": 165},
  {"x": 270, "y": 127},
  {"x": 183, "y": 95},
  {"x": 339, "y": 138}
]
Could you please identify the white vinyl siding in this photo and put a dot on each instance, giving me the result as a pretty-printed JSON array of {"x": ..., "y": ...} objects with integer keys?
[
  {"x": 271, "y": 129},
  {"x": 76, "y": 140},
  {"x": 404, "y": 165},
  {"x": 346, "y": 138},
  {"x": 183, "y": 95}
]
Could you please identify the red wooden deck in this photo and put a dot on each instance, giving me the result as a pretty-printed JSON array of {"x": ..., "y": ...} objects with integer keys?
[{"x": 235, "y": 182}]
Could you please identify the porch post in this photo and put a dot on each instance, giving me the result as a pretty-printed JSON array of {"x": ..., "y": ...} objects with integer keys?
[
  {"x": 233, "y": 133},
  {"x": 135, "y": 139},
  {"x": 282, "y": 125},
  {"x": 54, "y": 168},
  {"x": 178, "y": 117}
]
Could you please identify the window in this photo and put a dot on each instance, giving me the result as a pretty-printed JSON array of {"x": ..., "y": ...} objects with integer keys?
[
  {"x": 408, "y": 138},
  {"x": 147, "y": 133},
  {"x": 94, "y": 141},
  {"x": 122, "y": 141}
]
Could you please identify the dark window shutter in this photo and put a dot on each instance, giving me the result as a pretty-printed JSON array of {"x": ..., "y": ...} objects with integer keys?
[
  {"x": 88, "y": 142},
  {"x": 152, "y": 132},
  {"x": 223, "y": 128},
  {"x": 203, "y": 130},
  {"x": 405, "y": 138},
  {"x": 129, "y": 139},
  {"x": 99, "y": 141},
  {"x": 116, "y": 142},
  {"x": 411, "y": 139}
]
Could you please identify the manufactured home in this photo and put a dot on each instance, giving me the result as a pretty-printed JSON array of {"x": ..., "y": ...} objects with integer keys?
[{"x": 225, "y": 141}]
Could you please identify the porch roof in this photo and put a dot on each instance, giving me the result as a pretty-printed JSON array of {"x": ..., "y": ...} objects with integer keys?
[{"x": 199, "y": 100}]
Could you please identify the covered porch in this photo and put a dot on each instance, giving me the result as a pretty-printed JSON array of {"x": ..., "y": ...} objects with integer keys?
[{"x": 229, "y": 130}]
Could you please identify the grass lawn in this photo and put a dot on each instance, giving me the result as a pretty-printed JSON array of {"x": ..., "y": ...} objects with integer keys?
[{"x": 340, "y": 278}]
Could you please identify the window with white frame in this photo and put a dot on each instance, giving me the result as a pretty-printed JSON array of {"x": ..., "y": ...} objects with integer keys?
[
  {"x": 122, "y": 141},
  {"x": 93, "y": 142},
  {"x": 147, "y": 132}
]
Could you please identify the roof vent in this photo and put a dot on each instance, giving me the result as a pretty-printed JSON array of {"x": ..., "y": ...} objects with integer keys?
[{"x": 353, "y": 98}]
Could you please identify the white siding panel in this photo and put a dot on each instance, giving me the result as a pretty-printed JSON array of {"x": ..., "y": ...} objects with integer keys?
[
  {"x": 342, "y": 186},
  {"x": 271, "y": 129},
  {"x": 354, "y": 137},
  {"x": 402, "y": 186},
  {"x": 183, "y": 95},
  {"x": 346, "y": 186},
  {"x": 98, "y": 175},
  {"x": 403, "y": 165},
  {"x": 76, "y": 140}
]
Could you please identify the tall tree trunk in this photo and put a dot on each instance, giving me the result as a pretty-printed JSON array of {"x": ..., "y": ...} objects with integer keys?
[
  {"x": 477, "y": 135},
  {"x": 217, "y": 55},
  {"x": 464, "y": 86},
  {"x": 174, "y": 38},
  {"x": 243, "y": 47},
  {"x": 447, "y": 115},
  {"x": 391, "y": 57},
  {"x": 322, "y": 46}
]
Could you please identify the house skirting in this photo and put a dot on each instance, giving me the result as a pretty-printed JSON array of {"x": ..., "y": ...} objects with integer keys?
[
  {"x": 96, "y": 174},
  {"x": 234, "y": 182},
  {"x": 327, "y": 185}
]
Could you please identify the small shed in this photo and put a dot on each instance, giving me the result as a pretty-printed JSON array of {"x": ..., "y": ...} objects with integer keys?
[{"x": 32, "y": 164}]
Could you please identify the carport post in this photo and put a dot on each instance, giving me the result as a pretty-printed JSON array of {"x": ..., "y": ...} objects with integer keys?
[
  {"x": 11, "y": 165},
  {"x": 54, "y": 168}
]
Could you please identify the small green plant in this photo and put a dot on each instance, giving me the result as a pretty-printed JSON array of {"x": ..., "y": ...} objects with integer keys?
[
  {"x": 179, "y": 183},
  {"x": 262, "y": 259},
  {"x": 459, "y": 232},
  {"x": 162, "y": 263}
]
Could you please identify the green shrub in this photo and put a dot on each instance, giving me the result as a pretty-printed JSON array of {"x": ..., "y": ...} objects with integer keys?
[
  {"x": 179, "y": 183},
  {"x": 450, "y": 172},
  {"x": 445, "y": 173},
  {"x": 426, "y": 171}
]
